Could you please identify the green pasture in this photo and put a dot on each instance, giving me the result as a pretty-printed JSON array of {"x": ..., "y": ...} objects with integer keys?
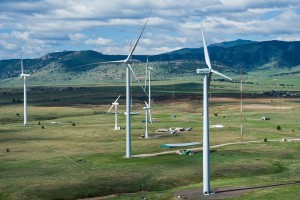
[{"x": 69, "y": 150}]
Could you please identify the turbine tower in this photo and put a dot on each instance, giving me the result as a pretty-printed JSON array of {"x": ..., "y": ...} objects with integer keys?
[
  {"x": 146, "y": 108},
  {"x": 207, "y": 72},
  {"x": 128, "y": 61},
  {"x": 22, "y": 75},
  {"x": 115, "y": 103},
  {"x": 148, "y": 75}
]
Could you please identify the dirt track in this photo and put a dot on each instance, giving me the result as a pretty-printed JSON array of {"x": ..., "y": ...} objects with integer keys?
[{"x": 200, "y": 148}]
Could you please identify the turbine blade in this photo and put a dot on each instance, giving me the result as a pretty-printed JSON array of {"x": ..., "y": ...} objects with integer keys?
[
  {"x": 146, "y": 74},
  {"x": 35, "y": 68},
  {"x": 117, "y": 98},
  {"x": 206, "y": 55},
  {"x": 20, "y": 77},
  {"x": 129, "y": 66},
  {"x": 146, "y": 104},
  {"x": 130, "y": 54},
  {"x": 115, "y": 61},
  {"x": 218, "y": 73},
  {"x": 110, "y": 108}
]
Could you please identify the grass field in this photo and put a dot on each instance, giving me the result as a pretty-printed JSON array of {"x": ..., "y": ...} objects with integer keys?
[{"x": 62, "y": 161}]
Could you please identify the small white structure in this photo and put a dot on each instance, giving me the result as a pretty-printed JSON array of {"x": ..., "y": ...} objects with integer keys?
[
  {"x": 217, "y": 126},
  {"x": 179, "y": 129},
  {"x": 188, "y": 144},
  {"x": 162, "y": 130},
  {"x": 265, "y": 118}
]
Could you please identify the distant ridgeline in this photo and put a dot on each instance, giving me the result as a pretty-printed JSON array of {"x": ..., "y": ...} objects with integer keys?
[{"x": 230, "y": 56}]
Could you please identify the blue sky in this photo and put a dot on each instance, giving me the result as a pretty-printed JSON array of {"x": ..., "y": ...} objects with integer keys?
[{"x": 111, "y": 26}]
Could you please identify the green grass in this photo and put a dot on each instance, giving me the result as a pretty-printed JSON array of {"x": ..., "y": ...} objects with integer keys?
[{"x": 63, "y": 161}]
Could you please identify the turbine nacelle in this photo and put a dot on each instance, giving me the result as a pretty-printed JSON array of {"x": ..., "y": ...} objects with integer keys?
[
  {"x": 203, "y": 71},
  {"x": 208, "y": 71},
  {"x": 22, "y": 75},
  {"x": 127, "y": 61}
]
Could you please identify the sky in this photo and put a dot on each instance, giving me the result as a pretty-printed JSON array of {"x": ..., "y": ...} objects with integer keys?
[{"x": 38, "y": 27}]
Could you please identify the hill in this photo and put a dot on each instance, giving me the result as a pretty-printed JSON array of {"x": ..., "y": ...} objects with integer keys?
[
  {"x": 230, "y": 56},
  {"x": 233, "y": 43},
  {"x": 250, "y": 56}
]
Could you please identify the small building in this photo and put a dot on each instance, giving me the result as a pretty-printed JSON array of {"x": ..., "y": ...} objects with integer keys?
[{"x": 265, "y": 118}]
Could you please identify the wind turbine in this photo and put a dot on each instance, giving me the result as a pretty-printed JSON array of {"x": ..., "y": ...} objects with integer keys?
[
  {"x": 115, "y": 103},
  {"x": 146, "y": 108},
  {"x": 148, "y": 75},
  {"x": 207, "y": 72},
  {"x": 22, "y": 75},
  {"x": 129, "y": 70}
]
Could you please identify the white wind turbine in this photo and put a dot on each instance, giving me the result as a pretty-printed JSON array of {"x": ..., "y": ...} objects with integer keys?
[
  {"x": 207, "y": 72},
  {"x": 146, "y": 108},
  {"x": 115, "y": 103},
  {"x": 129, "y": 70},
  {"x": 148, "y": 76},
  {"x": 22, "y": 75}
]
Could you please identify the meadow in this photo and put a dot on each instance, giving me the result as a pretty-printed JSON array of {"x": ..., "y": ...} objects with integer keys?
[{"x": 70, "y": 150}]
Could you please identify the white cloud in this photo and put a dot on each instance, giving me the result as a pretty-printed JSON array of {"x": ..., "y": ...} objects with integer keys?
[
  {"x": 46, "y": 25},
  {"x": 99, "y": 42},
  {"x": 289, "y": 37},
  {"x": 8, "y": 46},
  {"x": 21, "y": 35},
  {"x": 77, "y": 36}
]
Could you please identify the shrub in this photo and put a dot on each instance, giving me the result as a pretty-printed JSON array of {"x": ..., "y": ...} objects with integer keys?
[{"x": 278, "y": 127}]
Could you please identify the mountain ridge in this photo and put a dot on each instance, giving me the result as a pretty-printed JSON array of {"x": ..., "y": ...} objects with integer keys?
[{"x": 232, "y": 55}]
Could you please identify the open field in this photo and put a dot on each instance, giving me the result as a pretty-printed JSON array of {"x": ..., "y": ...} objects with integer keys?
[{"x": 61, "y": 161}]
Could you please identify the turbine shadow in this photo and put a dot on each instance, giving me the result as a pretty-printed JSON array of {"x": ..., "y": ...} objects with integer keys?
[
  {"x": 257, "y": 187},
  {"x": 225, "y": 193}
]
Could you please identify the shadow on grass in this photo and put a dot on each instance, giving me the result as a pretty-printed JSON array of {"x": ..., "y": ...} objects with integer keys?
[
  {"x": 257, "y": 187},
  {"x": 225, "y": 193}
]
